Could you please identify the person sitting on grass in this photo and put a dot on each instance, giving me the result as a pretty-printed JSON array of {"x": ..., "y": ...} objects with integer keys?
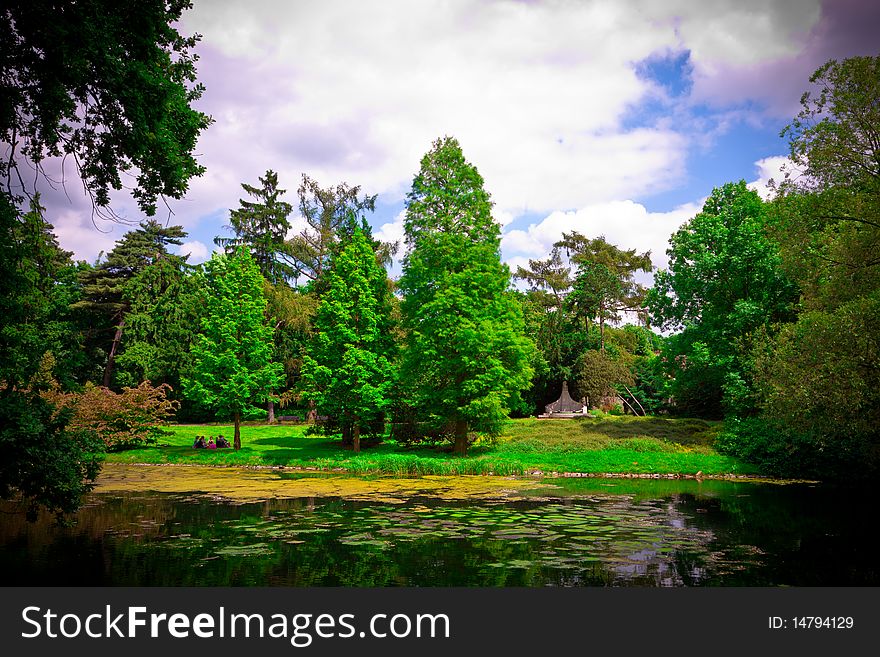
[
  {"x": 211, "y": 444},
  {"x": 222, "y": 442},
  {"x": 199, "y": 443}
]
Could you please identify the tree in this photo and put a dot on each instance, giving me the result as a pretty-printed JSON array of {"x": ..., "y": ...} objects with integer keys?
[
  {"x": 164, "y": 312},
  {"x": 604, "y": 284},
  {"x": 819, "y": 378},
  {"x": 262, "y": 227},
  {"x": 232, "y": 357},
  {"x": 113, "y": 89},
  {"x": 723, "y": 285},
  {"x": 104, "y": 287},
  {"x": 598, "y": 375},
  {"x": 43, "y": 461},
  {"x": 835, "y": 138},
  {"x": 552, "y": 326},
  {"x": 466, "y": 357},
  {"x": 347, "y": 371},
  {"x": 331, "y": 216}
]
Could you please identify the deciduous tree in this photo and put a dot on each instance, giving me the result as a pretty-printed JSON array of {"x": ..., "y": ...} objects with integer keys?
[
  {"x": 113, "y": 89},
  {"x": 724, "y": 283},
  {"x": 348, "y": 370},
  {"x": 466, "y": 356},
  {"x": 233, "y": 364}
]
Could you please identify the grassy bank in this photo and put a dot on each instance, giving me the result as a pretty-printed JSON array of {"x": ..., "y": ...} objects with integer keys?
[{"x": 590, "y": 445}]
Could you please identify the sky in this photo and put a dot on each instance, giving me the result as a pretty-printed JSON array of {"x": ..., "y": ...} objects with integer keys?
[{"x": 611, "y": 118}]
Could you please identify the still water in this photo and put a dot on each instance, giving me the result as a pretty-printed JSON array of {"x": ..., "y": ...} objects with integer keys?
[{"x": 282, "y": 529}]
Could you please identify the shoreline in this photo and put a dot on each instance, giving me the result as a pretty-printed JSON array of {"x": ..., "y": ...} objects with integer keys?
[{"x": 532, "y": 474}]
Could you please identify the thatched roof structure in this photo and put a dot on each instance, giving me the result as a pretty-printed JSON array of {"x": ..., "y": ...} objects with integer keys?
[{"x": 565, "y": 404}]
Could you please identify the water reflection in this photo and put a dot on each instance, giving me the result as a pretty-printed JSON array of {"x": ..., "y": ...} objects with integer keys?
[{"x": 570, "y": 533}]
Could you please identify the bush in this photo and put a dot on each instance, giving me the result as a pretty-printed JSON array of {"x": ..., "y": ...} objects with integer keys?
[
  {"x": 44, "y": 462},
  {"x": 783, "y": 452},
  {"x": 121, "y": 421}
]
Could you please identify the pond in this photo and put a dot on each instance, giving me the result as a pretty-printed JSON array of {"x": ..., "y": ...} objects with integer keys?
[{"x": 191, "y": 526}]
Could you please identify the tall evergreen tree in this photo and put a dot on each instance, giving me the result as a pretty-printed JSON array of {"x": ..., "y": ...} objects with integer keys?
[
  {"x": 466, "y": 357},
  {"x": 347, "y": 371},
  {"x": 104, "y": 285},
  {"x": 165, "y": 305},
  {"x": 233, "y": 356},
  {"x": 261, "y": 226}
]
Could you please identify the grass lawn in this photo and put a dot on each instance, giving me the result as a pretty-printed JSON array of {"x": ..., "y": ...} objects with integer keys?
[{"x": 590, "y": 445}]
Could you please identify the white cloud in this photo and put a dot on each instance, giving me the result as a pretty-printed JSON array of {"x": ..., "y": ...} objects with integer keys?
[
  {"x": 626, "y": 224},
  {"x": 197, "y": 251},
  {"x": 76, "y": 232},
  {"x": 770, "y": 168},
  {"x": 535, "y": 93},
  {"x": 392, "y": 231},
  {"x": 543, "y": 96}
]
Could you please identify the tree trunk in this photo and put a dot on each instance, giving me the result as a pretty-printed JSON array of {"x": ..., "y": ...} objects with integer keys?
[
  {"x": 114, "y": 347},
  {"x": 601, "y": 334},
  {"x": 270, "y": 407},
  {"x": 356, "y": 438},
  {"x": 460, "y": 448},
  {"x": 236, "y": 441}
]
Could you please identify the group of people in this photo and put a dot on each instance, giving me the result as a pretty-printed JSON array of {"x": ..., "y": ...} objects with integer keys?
[{"x": 210, "y": 444}]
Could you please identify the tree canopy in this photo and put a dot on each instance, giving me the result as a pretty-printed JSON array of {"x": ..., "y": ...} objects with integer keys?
[
  {"x": 112, "y": 89},
  {"x": 466, "y": 357},
  {"x": 723, "y": 283},
  {"x": 233, "y": 364},
  {"x": 348, "y": 370}
]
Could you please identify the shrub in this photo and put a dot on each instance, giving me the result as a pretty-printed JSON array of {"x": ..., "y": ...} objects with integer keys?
[
  {"x": 44, "y": 462},
  {"x": 120, "y": 420},
  {"x": 782, "y": 451}
]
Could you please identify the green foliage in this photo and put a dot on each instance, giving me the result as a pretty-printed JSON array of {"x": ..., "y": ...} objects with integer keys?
[
  {"x": 604, "y": 285},
  {"x": 465, "y": 356},
  {"x": 118, "y": 420},
  {"x": 262, "y": 228},
  {"x": 347, "y": 371},
  {"x": 447, "y": 197},
  {"x": 44, "y": 463},
  {"x": 724, "y": 284},
  {"x": 109, "y": 288},
  {"x": 232, "y": 356},
  {"x": 598, "y": 375},
  {"x": 331, "y": 214},
  {"x": 164, "y": 310},
  {"x": 834, "y": 138},
  {"x": 112, "y": 88},
  {"x": 781, "y": 451},
  {"x": 820, "y": 377},
  {"x": 39, "y": 282}
]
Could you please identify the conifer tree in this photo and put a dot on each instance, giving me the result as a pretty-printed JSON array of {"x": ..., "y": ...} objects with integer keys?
[
  {"x": 348, "y": 371},
  {"x": 232, "y": 357},
  {"x": 104, "y": 285},
  {"x": 261, "y": 226},
  {"x": 466, "y": 356}
]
